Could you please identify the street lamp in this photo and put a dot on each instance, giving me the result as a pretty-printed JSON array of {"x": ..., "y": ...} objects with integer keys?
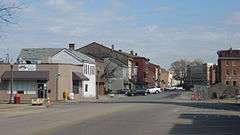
[{"x": 11, "y": 84}]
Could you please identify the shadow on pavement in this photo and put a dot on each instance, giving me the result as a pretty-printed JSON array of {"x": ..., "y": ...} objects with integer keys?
[
  {"x": 202, "y": 105},
  {"x": 204, "y": 124}
]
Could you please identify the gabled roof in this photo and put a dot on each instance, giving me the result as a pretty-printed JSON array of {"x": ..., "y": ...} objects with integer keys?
[
  {"x": 38, "y": 53},
  {"x": 97, "y": 44},
  {"x": 82, "y": 56},
  {"x": 45, "y": 53},
  {"x": 119, "y": 63}
]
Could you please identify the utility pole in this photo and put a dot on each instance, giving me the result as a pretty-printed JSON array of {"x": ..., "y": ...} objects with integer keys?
[
  {"x": 98, "y": 85},
  {"x": 11, "y": 85},
  {"x": 57, "y": 78}
]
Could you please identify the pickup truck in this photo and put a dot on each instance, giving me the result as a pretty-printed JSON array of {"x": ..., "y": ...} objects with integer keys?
[{"x": 154, "y": 90}]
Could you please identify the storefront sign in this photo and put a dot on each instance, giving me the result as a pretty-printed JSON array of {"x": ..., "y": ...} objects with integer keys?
[{"x": 27, "y": 67}]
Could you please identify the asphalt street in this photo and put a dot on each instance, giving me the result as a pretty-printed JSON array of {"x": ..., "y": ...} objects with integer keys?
[{"x": 161, "y": 114}]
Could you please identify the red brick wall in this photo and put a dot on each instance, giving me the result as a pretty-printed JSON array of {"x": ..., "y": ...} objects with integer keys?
[
  {"x": 151, "y": 75},
  {"x": 230, "y": 66},
  {"x": 142, "y": 65}
]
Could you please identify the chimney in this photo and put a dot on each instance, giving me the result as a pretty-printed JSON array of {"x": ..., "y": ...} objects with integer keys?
[
  {"x": 71, "y": 46},
  {"x": 112, "y": 47},
  {"x": 136, "y": 54},
  {"x": 131, "y": 52}
]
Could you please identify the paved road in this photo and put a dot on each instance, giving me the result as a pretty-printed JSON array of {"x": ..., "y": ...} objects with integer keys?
[{"x": 136, "y": 116}]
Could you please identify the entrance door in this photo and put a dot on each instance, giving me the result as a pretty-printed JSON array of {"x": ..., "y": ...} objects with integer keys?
[{"x": 42, "y": 93}]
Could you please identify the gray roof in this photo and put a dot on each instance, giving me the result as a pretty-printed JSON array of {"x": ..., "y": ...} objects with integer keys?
[
  {"x": 45, "y": 53},
  {"x": 82, "y": 56},
  {"x": 38, "y": 53},
  {"x": 119, "y": 63}
]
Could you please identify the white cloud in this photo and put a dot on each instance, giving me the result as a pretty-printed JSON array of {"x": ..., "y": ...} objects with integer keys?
[
  {"x": 63, "y": 5},
  {"x": 162, "y": 8},
  {"x": 234, "y": 19}
]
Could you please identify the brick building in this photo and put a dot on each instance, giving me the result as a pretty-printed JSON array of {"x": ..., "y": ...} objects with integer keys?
[
  {"x": 153, "y": 75},
  {"x": 229, "y": 67},
  {"x": 142, "y": 64},
  {"x": 164, "y": 75}
]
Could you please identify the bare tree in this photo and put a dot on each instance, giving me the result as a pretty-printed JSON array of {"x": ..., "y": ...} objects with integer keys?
[
  {"x": 179, "y": 68},
  {"x": 196, "y": 62},
  {"x": 108, "y": 73},
  {"x": 8, "y": 11}
]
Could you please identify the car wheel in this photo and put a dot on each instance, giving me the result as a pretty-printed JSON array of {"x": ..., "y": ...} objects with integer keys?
[
  {"x": 157, "y": 92},
  {"x": 145, "y": 94},
  {"x": 132, "y": 94}
]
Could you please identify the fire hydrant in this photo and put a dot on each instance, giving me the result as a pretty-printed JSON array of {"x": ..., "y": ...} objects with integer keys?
[{"x": 65, "y": 95}]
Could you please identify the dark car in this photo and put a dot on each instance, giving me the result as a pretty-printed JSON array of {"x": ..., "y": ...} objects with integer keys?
[
  {"x": 124, "y": 91},
  {"x": 136, "y": 92}
]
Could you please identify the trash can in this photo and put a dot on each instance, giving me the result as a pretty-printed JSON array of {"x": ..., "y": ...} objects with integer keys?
[{"x": 17, "y": 99}]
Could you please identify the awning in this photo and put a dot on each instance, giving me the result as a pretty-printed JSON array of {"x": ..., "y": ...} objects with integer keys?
[
  {"x": 79, "y": 76},
  {"x": 26, "y": 75}
]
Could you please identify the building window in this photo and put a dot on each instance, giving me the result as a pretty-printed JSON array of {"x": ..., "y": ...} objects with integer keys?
[
  {"x": 227, "y": 82},
  {"x": 86, "y": 88},
  {"x": 227, "y": 63},
  {"x": 85, "y": 69},
  {"x": 145, "y": 75},
  {"x": 234, "y": 72},
  {"x": 234, "y": 83},
  {"x": 227, "y": 72},
  {"x": 92, "y": 70},
  {"x": 88, "y": 69}
]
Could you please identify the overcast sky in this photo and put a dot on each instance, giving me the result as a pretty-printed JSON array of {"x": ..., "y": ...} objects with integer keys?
[{"x": 162, "y": 30}]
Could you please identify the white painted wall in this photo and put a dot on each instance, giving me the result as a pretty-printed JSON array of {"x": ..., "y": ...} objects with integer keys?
[
  {"x": 64, "y": 57},
  {"x": 92, "y": 80}
]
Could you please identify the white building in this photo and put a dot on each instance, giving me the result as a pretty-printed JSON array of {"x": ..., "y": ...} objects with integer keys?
[{"x": 64, "y": 56}]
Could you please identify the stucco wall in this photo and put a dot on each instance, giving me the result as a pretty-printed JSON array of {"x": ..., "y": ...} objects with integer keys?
[{"x": 64, "y": 82}]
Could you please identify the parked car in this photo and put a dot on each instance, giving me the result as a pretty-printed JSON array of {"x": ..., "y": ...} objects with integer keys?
[
  {"x": 154, "y": 90},
  {"x": 123, "y": 91},
  {"x": 136, "y": 92}
]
